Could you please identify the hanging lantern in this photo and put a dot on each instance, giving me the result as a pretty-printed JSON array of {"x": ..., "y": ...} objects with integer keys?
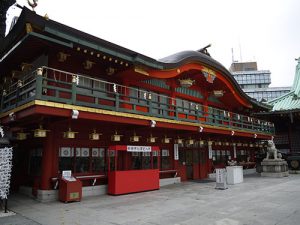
[
  {"x": 151, "y": 139},
  {"x": 94, "y": 136},
  {"x": 116, "y": 137},
  {"x": 69, "y": 134},
  {"x": 21, "y": 136},
  {"x": 190, "y": 141},
  {"x": 201, "y": 142},
  {"x": 40, "y": 132},
  {"x": 179, "y": 141},
  {"x": 166, "y": 140},
  {"x": 135, "y": 138}
]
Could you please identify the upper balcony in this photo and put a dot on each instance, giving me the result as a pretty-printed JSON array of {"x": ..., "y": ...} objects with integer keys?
[{"x": 54, "y": 85}]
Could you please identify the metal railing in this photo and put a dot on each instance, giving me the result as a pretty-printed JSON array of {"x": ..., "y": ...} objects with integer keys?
[{"x": 69, "y": 88}]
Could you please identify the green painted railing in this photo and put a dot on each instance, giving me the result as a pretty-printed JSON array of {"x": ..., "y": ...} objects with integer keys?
[{"x": 59, "y": 86}]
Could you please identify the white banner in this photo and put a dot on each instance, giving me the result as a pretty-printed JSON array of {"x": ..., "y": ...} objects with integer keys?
[
  {"x": 5, "y": 171},
  {"x": 210, "y": 155},
  {"x": 65, "y": 152},
  {"x": 131, "y": 148},
  {"x": 176, "y": 154},
  {"x": 85, "y": 152},
  {"x": 234, "y": 151},
  {"x": 95, "y": 152}
]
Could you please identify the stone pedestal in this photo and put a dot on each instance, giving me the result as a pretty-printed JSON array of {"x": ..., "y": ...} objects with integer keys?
[{"x": 274, "y": 168}]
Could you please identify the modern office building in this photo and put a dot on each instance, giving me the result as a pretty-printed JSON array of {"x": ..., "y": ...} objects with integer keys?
[{"x": 255, "y": 83}]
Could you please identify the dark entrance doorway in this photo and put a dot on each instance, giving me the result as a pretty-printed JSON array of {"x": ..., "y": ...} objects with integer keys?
[
  {"x": 203, "y": 157},
  {"x": 189, "y": 164}
]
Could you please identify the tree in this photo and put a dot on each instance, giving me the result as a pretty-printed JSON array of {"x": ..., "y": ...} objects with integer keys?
[{"x": 4, "y": 6}]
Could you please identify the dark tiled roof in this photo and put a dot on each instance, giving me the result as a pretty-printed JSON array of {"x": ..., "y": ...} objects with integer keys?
[{"x": 71, "y": 35}]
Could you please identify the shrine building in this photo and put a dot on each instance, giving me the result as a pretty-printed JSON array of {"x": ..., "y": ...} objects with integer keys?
[{"x": 116, "y": 118}]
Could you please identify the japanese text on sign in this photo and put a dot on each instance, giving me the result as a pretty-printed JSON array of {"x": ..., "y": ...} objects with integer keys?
[{"x": 131, "y": 148}]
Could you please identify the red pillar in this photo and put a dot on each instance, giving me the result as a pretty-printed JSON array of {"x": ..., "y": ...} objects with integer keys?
[{"x": 47, "y": 161}]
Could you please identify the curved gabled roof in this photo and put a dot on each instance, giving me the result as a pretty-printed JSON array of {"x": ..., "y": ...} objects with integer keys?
[
  {"x": 185, "y": 57},
  {"x": 71, "y": 37}
]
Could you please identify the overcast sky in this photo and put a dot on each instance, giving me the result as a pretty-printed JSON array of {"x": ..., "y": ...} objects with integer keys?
[{"x": 267, "y": 31}]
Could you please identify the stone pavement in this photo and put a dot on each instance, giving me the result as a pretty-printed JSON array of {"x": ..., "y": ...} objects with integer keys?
[{"x": 259, "y": 201}]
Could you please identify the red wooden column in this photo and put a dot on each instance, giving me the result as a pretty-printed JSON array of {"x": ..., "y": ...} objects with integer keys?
[{"x": 47, "y": 160}]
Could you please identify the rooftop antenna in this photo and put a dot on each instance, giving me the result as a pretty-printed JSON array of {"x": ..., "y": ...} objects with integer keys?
[{"x": 232, "y": 55}]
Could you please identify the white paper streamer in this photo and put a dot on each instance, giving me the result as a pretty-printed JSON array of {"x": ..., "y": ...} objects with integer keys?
[
  {"x": 1, "y": 131},
  {"x": 5, "y": 171}
]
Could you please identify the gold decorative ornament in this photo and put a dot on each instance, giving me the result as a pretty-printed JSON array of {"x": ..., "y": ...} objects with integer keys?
[
  {"x": 88, "y": 64},
  {"x": 62, "y": 57},
  {"x": 186, "y": 83}
]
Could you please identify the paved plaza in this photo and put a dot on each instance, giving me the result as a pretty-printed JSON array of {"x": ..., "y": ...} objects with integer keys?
[{"x": 255, "y": 201}]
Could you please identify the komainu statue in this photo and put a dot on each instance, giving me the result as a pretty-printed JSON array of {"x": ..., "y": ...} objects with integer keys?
[{"x": 272, "y": 151}]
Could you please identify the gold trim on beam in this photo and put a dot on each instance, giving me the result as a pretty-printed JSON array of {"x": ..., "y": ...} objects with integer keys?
[
  {"x": 121, "y": 114},
  {"x": 141, "y": 71}
]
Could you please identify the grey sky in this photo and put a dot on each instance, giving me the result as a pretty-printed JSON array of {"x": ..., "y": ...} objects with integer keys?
[{"x": 266, "y": 31}]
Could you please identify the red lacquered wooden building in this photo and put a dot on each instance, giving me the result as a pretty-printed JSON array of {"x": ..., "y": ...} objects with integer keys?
[{"x": 69, "y": 98}]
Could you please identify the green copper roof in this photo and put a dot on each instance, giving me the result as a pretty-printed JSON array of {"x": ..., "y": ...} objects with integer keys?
[
  {"x": 296, "y": 84},
  {"x": 291, "y": 100}
]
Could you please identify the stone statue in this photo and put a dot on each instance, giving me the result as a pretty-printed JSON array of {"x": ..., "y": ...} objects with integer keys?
[
  {"x": 272, "y": 151},
  {"x": 276, "y": 167}
]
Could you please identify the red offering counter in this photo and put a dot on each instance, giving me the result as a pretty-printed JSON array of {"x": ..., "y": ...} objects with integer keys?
[
  {"x": 132, "y": 169},
  {"x": 70, "y": 188}
]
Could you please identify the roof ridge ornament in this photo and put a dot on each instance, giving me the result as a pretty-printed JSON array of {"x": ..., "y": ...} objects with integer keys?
[
  {"x": 32, "y": 3},
  {"x": 204, "y": 50}
]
